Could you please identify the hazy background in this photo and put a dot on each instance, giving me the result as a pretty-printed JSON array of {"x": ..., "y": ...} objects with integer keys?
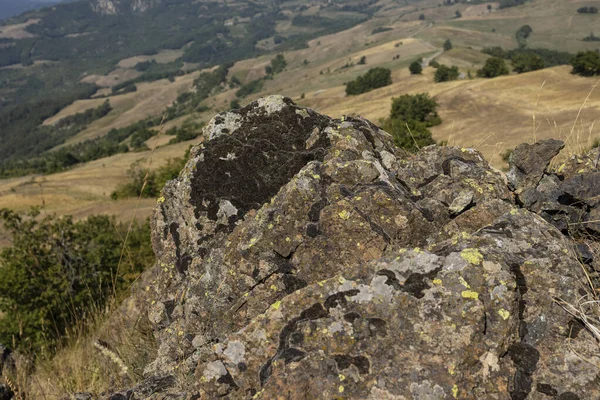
[{"x": 9, "y": 8}]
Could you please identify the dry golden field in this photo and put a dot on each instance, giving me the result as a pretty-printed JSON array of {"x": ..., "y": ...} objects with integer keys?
[{"x": 491, "y": 115}]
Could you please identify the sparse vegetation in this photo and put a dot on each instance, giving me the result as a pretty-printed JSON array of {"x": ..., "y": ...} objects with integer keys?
[
  {"x": 146, "y": 183},
  {"x": 381, "y": 29},
  {"x": 278, "y": 64},
  {"x": 57, "y": 271},
  {"x": 373, "y": 79},
  {"x": 591, "y": 38}
]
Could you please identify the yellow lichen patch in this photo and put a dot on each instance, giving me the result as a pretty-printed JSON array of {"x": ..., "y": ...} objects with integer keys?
[
  {"x": 504, "y": 314},
  {"x": 455, "y": 391},
  {"x": 341, "y": 389},
  {"x": 342, "y": 377},
  {"x": 437, "y": 281},
  {"x": 276, "y": 305},
  {"x": 514, "y": 211},
  {"x": 160, "y": 200},
  {"x": 270, "y": 226},
  {"x": 273, "y": 287},
  {"x": 472, "y": 256},
  {"x": 451, "y": 369},
  {"x": 417, "y": 250},
  {"x": 469, "y": 294},
  {"x": 316, "y": 176},
  {"x": 287, "y": 239},
  {"x": 464, "y": 283},
  {"x": 345, "y": 215}
]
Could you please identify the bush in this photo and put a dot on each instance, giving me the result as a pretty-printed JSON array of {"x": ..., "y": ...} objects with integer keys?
[
  {"x": 587, "y": 10},
  {"x": 155, "y": 180},
  {"x": 493, "y": 67},
  {"x": 250, "y": 88},
  {"x": 415, "y": 67},
  {"x": 447, "y": 45},
  {"x": 373, "y": 79},
  {"x": 591, "y": 38},
  {"x": 522, "y": 35},
  {"x": 410, "y": 135},
  {"x": 278, "y": 64},
  {"x": 56, "y": 271},
  {"x": 527, "y": 63},
  {"x": 434, "y": 64},
  {"x": 419, "y": 107},
  {"x": 586, "y": 63},
  {"x": 445, "y": 73}
]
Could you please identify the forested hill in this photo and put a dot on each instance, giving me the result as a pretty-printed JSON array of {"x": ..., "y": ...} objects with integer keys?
[{"x": 51, "y": 52}]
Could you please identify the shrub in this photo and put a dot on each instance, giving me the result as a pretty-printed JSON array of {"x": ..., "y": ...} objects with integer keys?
[
  {"x": 527, "y": 62},
  {"x": 415, "y": 67},
  {"x": 434, "y": 64},
  {"x": 249, "y": 88},
  {"x": 522, "y": 35},
  {"x": 278, "y": 64},
  {"x": 445, "y": 73},
  {"x": 363, "y": 60},
  {"x": 586, "y": 63},
  {"x": 587, "y": 10},
  {"x": 410, "y": 135},
  {"x": 419, "y": 107},
  {"x": 56, "y": 271},
  {"x": 373, "y": 79},
  {"x": 155, "y": 180},
  {"x": 493, "y": 67},
  {"x": 447, "y": 45}
]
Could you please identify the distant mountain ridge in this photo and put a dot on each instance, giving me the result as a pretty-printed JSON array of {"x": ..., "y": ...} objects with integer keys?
[{"x": 10, "y": 8}]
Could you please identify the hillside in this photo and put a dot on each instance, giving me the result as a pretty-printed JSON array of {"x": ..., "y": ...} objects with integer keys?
[{"x": 546, "y": 103}]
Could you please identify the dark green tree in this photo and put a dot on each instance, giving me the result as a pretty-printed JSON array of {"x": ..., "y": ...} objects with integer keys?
[
  {"x": 586, "y": 63},
  {"x": 522, "y": 35},
  {"x": 419, "y": 107},
  {"x": 415, "y": 67},
  {"x": 447, "y": 45},
  {"x": 373, "y": 79},
  {"x": 458, "y": 14},
  {"x": 363, "y": 60},
  {"x": 493, "y": 67},
  {"x": 527, "y": 62},
  {"x": 445, "y": 73}
]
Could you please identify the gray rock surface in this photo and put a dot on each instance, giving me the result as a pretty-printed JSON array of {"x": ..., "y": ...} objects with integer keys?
[{"x": 303, "y": 257}]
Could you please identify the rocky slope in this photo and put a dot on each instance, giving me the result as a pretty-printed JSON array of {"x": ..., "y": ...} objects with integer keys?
[{"x": 302, "y": 257}]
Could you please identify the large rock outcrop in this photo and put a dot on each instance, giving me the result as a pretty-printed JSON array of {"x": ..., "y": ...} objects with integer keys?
[{"x": 302, "y": 257}]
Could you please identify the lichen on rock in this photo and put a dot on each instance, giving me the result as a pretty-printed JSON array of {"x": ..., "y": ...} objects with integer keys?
[{"x": 307, "y": 257}]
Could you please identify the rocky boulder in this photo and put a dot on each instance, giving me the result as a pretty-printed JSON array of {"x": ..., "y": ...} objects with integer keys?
[{"x": 306, "y": 257}]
